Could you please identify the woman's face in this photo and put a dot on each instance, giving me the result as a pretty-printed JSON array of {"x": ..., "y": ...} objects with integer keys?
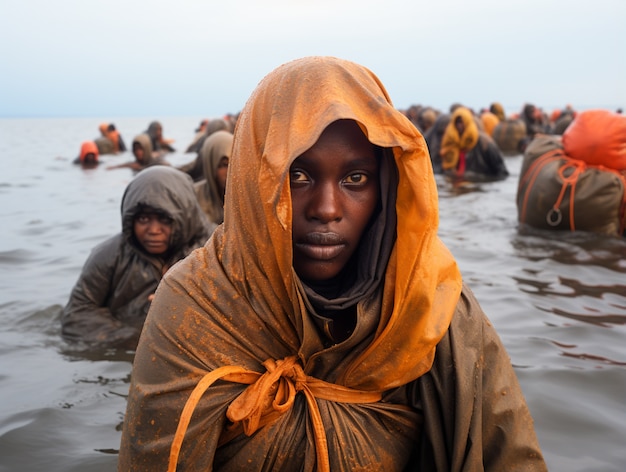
[
  {"x": 138, "y": 152},
  {"x": 459, "y": 125},
  {"x": 334, "y": 192},
  {"x": 220, "y": 175},
  {"x": 153, "y": 231}
]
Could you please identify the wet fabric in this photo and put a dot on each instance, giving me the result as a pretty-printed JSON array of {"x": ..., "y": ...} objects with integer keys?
[
  {"x": 216, "y": 146},
  {"x": 105, "y": 145},
  {"x": 532, "y": 118},
  {"x": 150, "y": 158},
  {"x": 217, "y": 124},
  {"x": 489, "y": 121},
  {"x": 88, "y": 147},
  {"x": 236, "y": 310},
  {"x": 118, "y": 142},
  {"x": 453, "y": 143},
  {"x": 485, "y": 161},
  {"x": 597, "y": 137},
  {"x": 110, "y": 133},
  {"x": 559, "y": 193},
  {"x": 509, "y": 135},
  {"x": 110, "y": 300},
  {"x": 433, "y": 139},
  {"x": 155, "y": 130},
  {"x": 497, "y": 109}
]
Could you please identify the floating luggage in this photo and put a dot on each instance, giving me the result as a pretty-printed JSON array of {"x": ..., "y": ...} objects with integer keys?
[
  {"x": 597, "y": 137},
  {"x": 557, "y": 192},
  {"x": 105, "y": 145},
  {"x": 509, "y": 136}
]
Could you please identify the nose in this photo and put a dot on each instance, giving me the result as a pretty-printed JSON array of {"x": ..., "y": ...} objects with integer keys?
[
  {"x": 155, "y": 227},
  {"x": 325, "y": 204}
]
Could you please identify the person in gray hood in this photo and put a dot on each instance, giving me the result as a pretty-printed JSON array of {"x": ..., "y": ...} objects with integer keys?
[{"x": 162, "y": 223}]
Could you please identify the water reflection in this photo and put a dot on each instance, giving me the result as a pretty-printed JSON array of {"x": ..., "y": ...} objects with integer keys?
[{"x": 577, "y": 248}]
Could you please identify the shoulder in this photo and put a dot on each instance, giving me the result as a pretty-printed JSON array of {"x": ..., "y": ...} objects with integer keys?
[
  {"x": 469, "y": 322},
  {"x": 108, "y": 251}
]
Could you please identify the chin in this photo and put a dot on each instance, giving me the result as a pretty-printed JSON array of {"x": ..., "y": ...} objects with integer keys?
[{"x": 317, "y": 274}]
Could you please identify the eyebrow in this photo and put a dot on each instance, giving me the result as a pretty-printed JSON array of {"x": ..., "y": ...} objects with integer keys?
[{"x": 361, "y": 161}]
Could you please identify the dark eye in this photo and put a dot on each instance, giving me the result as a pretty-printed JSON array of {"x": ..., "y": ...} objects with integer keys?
[
  {"x": 142, "y": 218},
  {"x": 298, "y": 176},
  {"x": 165, "y": 220},
  {"x": 357, "y": 178}
]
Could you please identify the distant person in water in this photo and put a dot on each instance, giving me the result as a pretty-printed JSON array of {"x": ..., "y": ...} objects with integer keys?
[
  {"x": 215, "y": 155},
  {"x": 200, "y": 135},
  {"x": 467, "y": 153},
  {"x": 114, "y": 135},
  {"x": 110, "y": 140},
  {"x": 161, "y": 223},
  {"x": 145, "y": 155},
  {"x": 159, "y": 143},
  {"x": 324, "y": 326},
  {"x": 89, "y": 155},
  {"x": 194, "y": 168}
]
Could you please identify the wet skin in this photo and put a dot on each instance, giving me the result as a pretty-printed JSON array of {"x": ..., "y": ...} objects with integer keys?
[
  {"x": 153, "y": 231},
  {"x": 220, "y": 175},
  {"x": 334, "y": 192},
  {"x": 138, "y": 152}
]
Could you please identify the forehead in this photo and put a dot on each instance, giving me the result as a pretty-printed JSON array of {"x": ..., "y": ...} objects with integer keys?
[
  {"x": 342, "y": 137},
  {"x": 150, "y": 213}
]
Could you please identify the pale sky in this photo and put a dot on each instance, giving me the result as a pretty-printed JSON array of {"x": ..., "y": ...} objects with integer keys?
[{"x": 94, "y": 58}]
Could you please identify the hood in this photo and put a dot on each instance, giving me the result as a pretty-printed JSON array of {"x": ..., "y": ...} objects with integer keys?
[
  {"x": 216, "y": 146},
  {"x": 217, "y": 124},
  {"x": 169, "y": 191},
  {"x": 86, "y": 148},
  {"x": 452, "y": 143},
  {"x": 153, "y": 129},
  {"x": 283, "y": 118},
  {"x": 146, "y": 143}
]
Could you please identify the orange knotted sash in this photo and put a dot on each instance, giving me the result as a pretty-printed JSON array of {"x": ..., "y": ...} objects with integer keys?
[{"x": 269, "y": 395}]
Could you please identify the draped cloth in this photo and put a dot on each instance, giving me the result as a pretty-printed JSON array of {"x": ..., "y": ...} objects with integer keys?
[
  {"x": 217, "y": 146},
  {"x": 88, "y": 147},
  {"x": 232, "y": 373},
  {"x": 453, "y": 143}
]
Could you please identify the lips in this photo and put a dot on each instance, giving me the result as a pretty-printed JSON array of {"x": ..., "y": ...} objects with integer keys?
[
  {"x": 321, "y": 246},
  {"x": 154, "y": 244}
]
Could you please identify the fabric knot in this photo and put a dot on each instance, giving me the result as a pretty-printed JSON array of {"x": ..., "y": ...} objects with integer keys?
[
  {"x": 274, "y": 391},
  {"x": 268, "y": 396}
]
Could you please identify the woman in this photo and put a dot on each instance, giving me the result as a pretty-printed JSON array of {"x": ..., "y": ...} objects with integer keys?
[
  {"x": 324, "y": 326},
  {"x": 89, "y": 155},
  {"x": 195, "y": 168},
  {"x": 468, "y": 153},
  {"x": 215, "y": 155},
  {"x": 161, "y": 224},
  {"x": 159, "y": 143},
  {"x": 144, "y": 154}
]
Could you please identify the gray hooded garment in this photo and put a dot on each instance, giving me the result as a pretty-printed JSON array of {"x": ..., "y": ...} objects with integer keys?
[{"x": 110, "y": 301}]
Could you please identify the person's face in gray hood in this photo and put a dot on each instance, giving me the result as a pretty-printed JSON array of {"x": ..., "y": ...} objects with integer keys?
[{"x": 153, "y": 231}]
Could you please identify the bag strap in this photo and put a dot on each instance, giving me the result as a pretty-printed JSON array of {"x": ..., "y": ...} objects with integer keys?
[
  {"x": 554, "y": 215},
  {"x": 531, "y": 174}
]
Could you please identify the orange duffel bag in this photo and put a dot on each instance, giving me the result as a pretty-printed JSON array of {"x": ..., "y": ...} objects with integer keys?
[
  {"x": 560, "y": 193},
  {"x": 597, "y": 137}
]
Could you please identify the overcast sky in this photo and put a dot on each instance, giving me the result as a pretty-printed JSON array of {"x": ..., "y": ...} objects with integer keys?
[{"x": 71, "y": 58}]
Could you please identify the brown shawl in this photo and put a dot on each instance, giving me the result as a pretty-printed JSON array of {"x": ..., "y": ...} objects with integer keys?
[{"x": 234, "y": 314}]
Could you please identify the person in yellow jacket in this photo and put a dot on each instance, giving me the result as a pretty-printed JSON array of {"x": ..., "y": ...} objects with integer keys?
[
  {"x": 324, "y": 325},
  {"x": 468, "y": 153}
]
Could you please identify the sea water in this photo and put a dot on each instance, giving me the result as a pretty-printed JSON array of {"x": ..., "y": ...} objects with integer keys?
[{"x": 558, "y": 301}]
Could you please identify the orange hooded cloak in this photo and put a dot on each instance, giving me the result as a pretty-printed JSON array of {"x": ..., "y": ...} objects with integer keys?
[{"x": 233, "y": 322}]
